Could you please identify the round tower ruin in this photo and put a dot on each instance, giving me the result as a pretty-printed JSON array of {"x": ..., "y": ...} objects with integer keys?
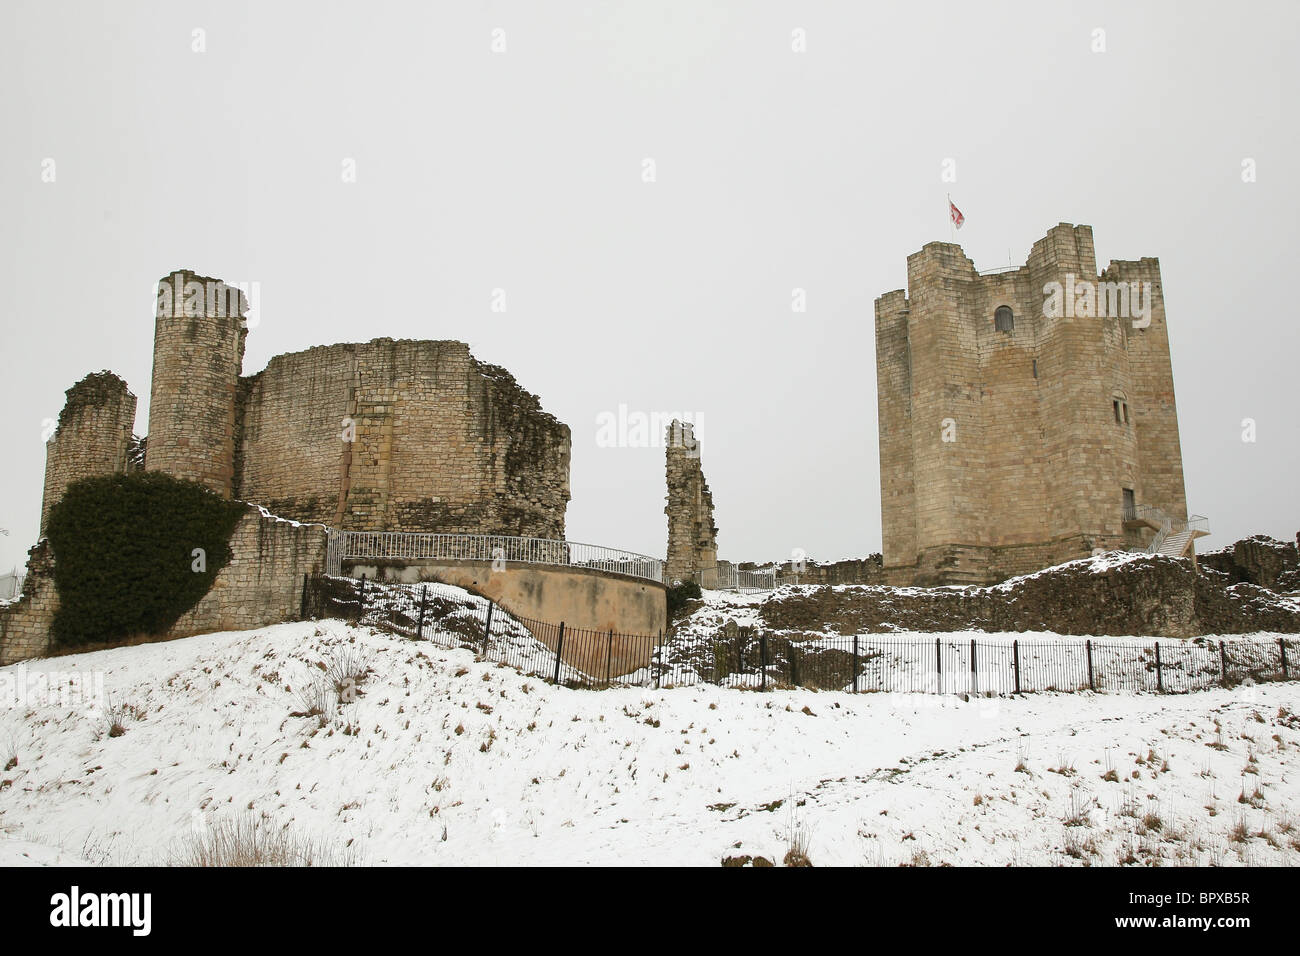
[
  {"x": 198, "y": 353},
  {"x": 93, "y": 436}
]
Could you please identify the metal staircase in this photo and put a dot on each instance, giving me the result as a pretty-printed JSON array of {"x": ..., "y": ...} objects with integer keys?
[{"x": 1173, "y": 536}]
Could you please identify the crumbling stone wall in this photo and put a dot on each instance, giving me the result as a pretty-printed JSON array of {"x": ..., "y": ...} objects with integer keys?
[
  {"x": 868, "y": 570},
  {"x": 692, "y": 535},
  {"x": 401, "y": 435},
  {"x": 382, "y": 436},
  {"x": 263, "y": 582},
  {"x": 1259, "y": 560},
  {"x": 1147, "y": 595},
  {"x": 93, "y": 436},
  {"x": 261, "y": 585},
  {"x": 25, "y": 623}
]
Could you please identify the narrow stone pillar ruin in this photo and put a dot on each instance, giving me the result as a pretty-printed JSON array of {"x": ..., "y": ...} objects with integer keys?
[{"x": 692, "y": 536}]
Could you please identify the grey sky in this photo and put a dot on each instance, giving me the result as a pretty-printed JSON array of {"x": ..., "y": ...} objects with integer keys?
[{"x": 776, "y": 170}]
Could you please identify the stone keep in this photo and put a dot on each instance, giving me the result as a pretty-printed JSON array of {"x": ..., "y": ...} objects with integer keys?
[
  {"x": 692, "y": 536},
  {"x": 1007, "y": 445}
]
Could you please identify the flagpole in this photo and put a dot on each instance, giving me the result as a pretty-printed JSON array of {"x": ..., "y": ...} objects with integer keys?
[{"x": 952, "y": 231}]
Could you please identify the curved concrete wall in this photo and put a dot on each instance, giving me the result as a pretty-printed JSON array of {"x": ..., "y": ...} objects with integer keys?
[{"x": 582, "y": 598}]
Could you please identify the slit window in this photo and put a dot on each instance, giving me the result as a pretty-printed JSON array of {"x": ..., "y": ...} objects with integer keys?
[{"x": 1120, "y": 407}]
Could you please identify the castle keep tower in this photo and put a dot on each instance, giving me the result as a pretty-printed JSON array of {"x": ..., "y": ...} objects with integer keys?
[
  {"x": 198, "y": 352},
  {"x": 1019, "y": 428}
]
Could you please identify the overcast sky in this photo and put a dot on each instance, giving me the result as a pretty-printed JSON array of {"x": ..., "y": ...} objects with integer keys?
[{"x": 524, "y": 171}]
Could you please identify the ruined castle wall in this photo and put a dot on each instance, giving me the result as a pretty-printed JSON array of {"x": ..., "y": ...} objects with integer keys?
[
  {"x": 261, "y": 585},
  {"x": 263, "y": 582},
  {"x": 692, "y": 535},
  {"x": 25, "y": 623},
  {"x": 198, "y": 353},
  {"x": 401, "y": 435},
  {"x": 93, "y": 436},
  {"x": 291, "y": 451}
]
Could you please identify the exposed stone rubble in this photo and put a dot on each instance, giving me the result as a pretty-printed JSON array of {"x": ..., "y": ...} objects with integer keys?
[
  {"x": 1259, "y": 560},
  {"x": 1114, "y": 594},
  {"x": 868, "y": 570}
]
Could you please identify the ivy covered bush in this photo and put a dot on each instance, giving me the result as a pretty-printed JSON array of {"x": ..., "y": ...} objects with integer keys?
[{"x": 133, "y": 552}]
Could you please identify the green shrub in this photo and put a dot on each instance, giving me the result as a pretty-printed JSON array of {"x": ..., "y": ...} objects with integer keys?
[
  {"x": 124, "y": 553},
  {"x": 678, "y": 596}
]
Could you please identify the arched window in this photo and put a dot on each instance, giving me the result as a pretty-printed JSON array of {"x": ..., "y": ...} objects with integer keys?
[{"x": 1004, "y": 319}]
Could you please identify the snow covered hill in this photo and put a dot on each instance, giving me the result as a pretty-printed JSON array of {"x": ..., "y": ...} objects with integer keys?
[{"x": 433, "y": 757}]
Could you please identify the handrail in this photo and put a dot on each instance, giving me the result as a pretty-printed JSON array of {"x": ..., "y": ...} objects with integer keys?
[
  {"x": 351, "y": 545},
  {"x": 727, "y": 577}
]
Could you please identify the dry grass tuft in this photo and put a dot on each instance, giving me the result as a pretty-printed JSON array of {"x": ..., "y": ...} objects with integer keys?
[{"x": 249, "y": 841}]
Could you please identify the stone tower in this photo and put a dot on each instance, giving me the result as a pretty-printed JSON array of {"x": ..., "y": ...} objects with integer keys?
[
  {"x": 93, "y": 436},
  {"x": 692, "y": 536},
  {"x": 198, "y": 352},
  {"x": 1025, "y": 414}
]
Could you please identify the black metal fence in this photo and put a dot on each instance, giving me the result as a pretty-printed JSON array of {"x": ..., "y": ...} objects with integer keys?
[
  {"x": 760, "y": 660},
  {"x": 974, "y": 666}
]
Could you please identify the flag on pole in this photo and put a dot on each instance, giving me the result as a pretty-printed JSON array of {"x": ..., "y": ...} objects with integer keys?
[{"x": 955, "y": 213}]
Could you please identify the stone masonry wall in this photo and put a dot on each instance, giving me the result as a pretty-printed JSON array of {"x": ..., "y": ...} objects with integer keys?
[
  {"x": 1141, "y": 595},
  {"x": 198, "y": 353},
  {"x": 866, "y": 570},
  {"x": 692, "y": 536},
  {"x": 1000, "y": 452},
  {"x": 401, "y": 435},
  {"x": 1259, "y": 560},
  {"x": 25, "y": 623},
  {"x": 263, "y": 582},
  {"x": 261, "y": 585},
  {"x": 93, "y": 436}
]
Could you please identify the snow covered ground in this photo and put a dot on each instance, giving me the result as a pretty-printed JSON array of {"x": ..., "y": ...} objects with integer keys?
[{"x": 433, "y": 757}]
